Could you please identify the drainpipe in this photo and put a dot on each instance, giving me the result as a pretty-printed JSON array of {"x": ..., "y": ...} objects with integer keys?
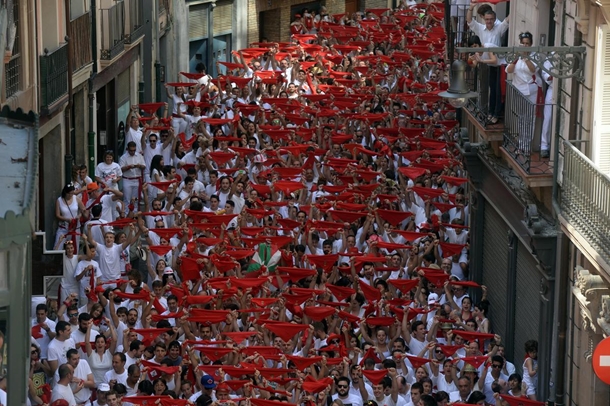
[
  {"x": 69, "y": 136},
  {"x": 92, "y": 109},
  {"x": 557, "y": 383}
]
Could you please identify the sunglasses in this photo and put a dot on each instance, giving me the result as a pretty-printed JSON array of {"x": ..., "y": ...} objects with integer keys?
[
  {"x": 496, "y": 366},
  {"x": 72, "y": 314},
  {"x": 342, "y": 386},
  {"x": 525, "y": 35}
]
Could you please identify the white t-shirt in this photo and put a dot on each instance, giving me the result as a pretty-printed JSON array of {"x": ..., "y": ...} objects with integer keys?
[
  {"x": 58, "y": 349},
  {"x": 44, "y": 341},
  {"x": 113, "y": 376},
  {"x": 110, "y": 261},
  {"x": 108, "y": 173},
  {"x": 63, "y": 392},
  {"x": 81, "y": 371}
]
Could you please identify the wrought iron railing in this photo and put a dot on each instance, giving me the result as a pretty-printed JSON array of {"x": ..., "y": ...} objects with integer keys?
[
  {"x": 135, "y": 26},
  {"x": 53, "y": 76},
  {"x": 523, "y": 122},
  {"x": 477, "y": 80},
  {"x": 113, "y": 30},
  {"x": 584, "y": 198},
  {"x": 80, "y": 37}
]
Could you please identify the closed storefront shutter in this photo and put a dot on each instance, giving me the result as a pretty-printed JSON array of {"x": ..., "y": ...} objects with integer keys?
[
  {"x": 223, "y": 17},
  {"x": 198, "y": 21},
  {"x": 495, "y": 275},
  {"x": 527, "y": 302}
]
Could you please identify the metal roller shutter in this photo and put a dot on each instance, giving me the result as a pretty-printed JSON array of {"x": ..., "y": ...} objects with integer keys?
[
  {"x": 527, "y": 303},
  {"x": 223, "y": 17},
  {"x": 198, "y": 21},
  {"x": 495, "y": 275}
]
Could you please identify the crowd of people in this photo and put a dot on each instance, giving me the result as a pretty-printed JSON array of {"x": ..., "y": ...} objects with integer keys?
[{"x": 302, "y": 222}]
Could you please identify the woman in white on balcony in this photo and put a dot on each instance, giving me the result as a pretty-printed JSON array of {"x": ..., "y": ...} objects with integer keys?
[{"x": 524, "y": 70}]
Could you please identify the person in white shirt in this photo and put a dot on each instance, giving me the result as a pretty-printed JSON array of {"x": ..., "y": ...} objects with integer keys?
[
  {"x": 46, "y": 329},
  {"x": 133, "y": 133},
  {"x": 108, "y": 172},
  {"x": 62, "y": 389},
  {"x": 82, "y": 381},
  {"x": 118, "y": 373},
  {"x": 132, "y": 164},
  {"x": 343, "y": 394},
  {"x": 87, "y": 269},
  {"x": 110, "y": 254},
  {"x": 59, "y": 346},
  {"x": 106, "y": 197}
]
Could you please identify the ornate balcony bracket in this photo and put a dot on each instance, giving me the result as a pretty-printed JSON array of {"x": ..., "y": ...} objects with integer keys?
[
  {"x": 565, "y": 62},
  {"x": 589, "y": 291}
]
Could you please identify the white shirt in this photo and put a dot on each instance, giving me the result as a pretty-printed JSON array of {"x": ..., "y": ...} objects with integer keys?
[
  {"x": 135, "y": 136},
  {"x": 109, "y": 261},
  {"x": 81, "y": 371},
  {"x": 58, "y": 349},
  {"x": 44, "y": 341},
  {"x": 63, "y": 392},
  {"x": 487, "y": 36},
  {"x": 113, "y": 376},
  {"x": 128, "y": 159}
]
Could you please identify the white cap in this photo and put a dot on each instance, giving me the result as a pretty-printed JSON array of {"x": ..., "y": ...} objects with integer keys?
[
  {"x": 103, "y": 387},
  {"x": 432, "y": 298}
]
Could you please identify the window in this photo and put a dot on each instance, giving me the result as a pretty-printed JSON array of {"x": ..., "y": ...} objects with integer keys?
[
  {"x": 12, "y": 71},
  {"x": 78, "y": 8},
  {"x": 198, "y": 21},
  {"x": 601, "y": 122}
]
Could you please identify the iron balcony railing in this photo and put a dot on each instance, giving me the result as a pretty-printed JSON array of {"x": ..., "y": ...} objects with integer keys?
[
  {"x": 80, "y": 36},
  {"x": 113, "y": 31},
  {"x": 477, "y": 80},
  {"x": 53, "y": 76},
  {"x": 135, "y": 26},
  {"x": 584, "y": 198},
  {"x": 523, "y": 122}
]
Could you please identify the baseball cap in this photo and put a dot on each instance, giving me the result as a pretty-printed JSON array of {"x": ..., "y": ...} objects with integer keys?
[
  {"x": 432, "y": 298},
  {"x": 103, "y": 387},
  {"x": 208, "y": 381},
  {"x": 92, "y": 187}
]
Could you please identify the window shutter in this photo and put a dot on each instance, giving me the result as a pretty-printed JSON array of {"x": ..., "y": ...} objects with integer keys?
[
  {"x": 198, "y": 22},
  {"x": 601, "y": 122},
  {"x": 223, "y": 17}
]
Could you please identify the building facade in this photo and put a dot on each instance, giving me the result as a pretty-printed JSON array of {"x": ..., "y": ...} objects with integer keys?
[{"x": 545, "y": 220}]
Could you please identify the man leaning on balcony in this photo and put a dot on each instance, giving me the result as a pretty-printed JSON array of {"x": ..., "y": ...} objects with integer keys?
[{"x": 490, "y": 33}]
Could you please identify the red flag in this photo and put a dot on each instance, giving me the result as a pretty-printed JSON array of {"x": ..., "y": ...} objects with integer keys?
[
  {"x": 347, "y": 216},
  {"x": 375, "y": 376},
  {"x": 312, "y": 385},
  {"x": 239, "y": 336},
  {"x": 325, "y": 262},
  {"x": 214, "y": 353},
  {"x": 417, "y": 361},
  {"x": 149, "y": 334},
  {"x": 190, "y": 268},
  {"x": 286, "y": 331},
  {"x": 262, "y": 402},
  {"x": 476, "y": 361},
  {"x": 166, "y": 233},
  {"x": 450, "y": 250},
  {"x": 521, "y": 401},
  {"x": 449, "y": 350},
  {"x": 469, "y": 284},
  {"x": 370, "y": 353},
  {"x": 161, "y": 369},
  {"x": 380, "y": 321},
  {"x": 319, "y": 313},
  {"x": 37, "y": 331},
  {"x": 410, "y": 235},
  {"x": 370, "y": 293},
  {"x": 471, "y": 336},
  {"x": 303, "y": 362},
  {"x": 340, "y": 292}
]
